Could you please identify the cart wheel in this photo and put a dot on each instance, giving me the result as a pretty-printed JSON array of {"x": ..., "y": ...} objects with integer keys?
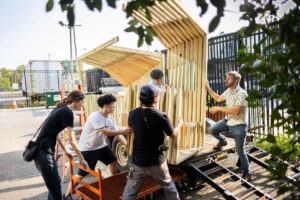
[{"x": 121, "y": 154}]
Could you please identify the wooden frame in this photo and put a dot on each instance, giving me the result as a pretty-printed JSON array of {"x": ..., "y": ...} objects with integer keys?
[
  {"x": 97, "y": 191},
  {"x": 111, "y": 188},
  {"x": 185, "y": 97},
  {"x": 123, "y": 64}
]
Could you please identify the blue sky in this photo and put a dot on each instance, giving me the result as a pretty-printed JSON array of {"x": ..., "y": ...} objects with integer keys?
[{"x": 29, "y": 33}]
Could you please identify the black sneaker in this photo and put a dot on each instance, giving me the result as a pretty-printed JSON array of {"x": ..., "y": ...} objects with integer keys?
[{"x": 67, "y": 197}]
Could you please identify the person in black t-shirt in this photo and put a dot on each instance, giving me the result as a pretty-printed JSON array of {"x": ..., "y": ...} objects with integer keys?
[
  {"x": 149, "y": 125},
  {"x": 60, "y": 118}
]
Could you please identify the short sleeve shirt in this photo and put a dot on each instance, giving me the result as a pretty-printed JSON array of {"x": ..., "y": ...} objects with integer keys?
[
  {"x": 92, "y": 139},
  {"x": 237, "y": 97},
  {"x": 148, "y": 137},
  {"x": 58, "y": 120}
]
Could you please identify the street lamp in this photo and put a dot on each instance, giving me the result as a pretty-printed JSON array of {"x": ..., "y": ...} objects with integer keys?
[{"x": 75, "y": 48}]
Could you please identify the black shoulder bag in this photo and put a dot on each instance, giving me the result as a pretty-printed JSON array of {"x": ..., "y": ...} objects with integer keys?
[{"x": 32, "y": 146}]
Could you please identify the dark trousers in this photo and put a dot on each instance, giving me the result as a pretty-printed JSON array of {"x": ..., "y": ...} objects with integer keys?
[{"x": 46, "y": 164}]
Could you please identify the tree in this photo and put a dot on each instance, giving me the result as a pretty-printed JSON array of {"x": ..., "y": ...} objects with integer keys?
[
  {"x": 6, "y": 77},
  {"x": 280, "y": 71},
  {"x": 67, "y": 66},
  {"x": 145, "y": 33}
]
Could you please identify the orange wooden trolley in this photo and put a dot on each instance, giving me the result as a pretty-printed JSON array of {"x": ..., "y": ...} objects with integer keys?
[{"x": 112, "y": 188}]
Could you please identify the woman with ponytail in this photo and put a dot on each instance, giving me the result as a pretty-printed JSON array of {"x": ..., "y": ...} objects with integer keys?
[{"x": 60, "y": 118}]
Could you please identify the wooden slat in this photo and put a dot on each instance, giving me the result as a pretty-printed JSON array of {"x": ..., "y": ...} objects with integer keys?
[
  {"x": 233, "y": 185},
  {"x": 106, "y": 44},
  {"x": 221, "y": 178},
  {"x": 246, "y": 193}
]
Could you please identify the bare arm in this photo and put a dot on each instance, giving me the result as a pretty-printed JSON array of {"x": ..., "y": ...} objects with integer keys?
[
  {"x": 217, "y": 97},
  {"x": 177, "y": 129},
  {"x": 115, "y": 133},
  {"x": 58, "y": 140},
  {"x": 74, "y": 145},
  {"x": 122, "y": 139},
  {"x": 234, "y": 111}
]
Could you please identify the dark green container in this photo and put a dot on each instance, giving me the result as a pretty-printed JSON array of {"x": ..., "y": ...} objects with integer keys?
[{"x": 52, "y": 98}]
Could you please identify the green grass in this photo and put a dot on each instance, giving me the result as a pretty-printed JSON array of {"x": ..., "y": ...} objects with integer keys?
[{"x": 284, "y": 143}]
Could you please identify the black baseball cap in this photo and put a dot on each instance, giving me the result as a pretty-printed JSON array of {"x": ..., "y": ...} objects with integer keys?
[{"x": 149, "y": 91}]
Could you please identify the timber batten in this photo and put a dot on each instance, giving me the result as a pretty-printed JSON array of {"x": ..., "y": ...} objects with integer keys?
[{"x": 186, "y": 44}]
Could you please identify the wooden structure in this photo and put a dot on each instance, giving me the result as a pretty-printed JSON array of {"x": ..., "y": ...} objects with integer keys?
[
  {"x": 112, "y": 188},
  {"x": 186, "y": 62},
  {"x": 126, "y": 65}
]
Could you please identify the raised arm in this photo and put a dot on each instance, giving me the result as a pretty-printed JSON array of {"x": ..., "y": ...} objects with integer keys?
[{"x": 217, "y": 97}]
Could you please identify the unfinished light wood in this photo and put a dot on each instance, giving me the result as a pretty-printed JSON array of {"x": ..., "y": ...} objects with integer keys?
[
  {"x": 186, "y": 44},
  {"x": 123, "y": 64}
]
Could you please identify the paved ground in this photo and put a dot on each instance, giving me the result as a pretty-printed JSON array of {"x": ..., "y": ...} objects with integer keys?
[{"x": 20, "y": 180}]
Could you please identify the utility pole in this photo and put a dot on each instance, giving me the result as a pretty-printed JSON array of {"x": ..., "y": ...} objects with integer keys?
[{"x": 71, "y": 28}]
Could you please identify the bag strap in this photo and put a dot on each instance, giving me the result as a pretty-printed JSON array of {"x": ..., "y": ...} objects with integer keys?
[
  {"x": 38, "y": 129},
  {"x": 146, "y": 122}
]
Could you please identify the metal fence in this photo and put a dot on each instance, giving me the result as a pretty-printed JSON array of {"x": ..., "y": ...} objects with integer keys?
[
  {"x": 222, "y": 58},
  {"x": 7, "y": 99}
]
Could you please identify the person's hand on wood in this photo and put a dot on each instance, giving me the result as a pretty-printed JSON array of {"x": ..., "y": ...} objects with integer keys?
[
  {"x": 206, "y": 85},
  {"x": 179, "y": 122},
  {"x": 127, "y": 131}
]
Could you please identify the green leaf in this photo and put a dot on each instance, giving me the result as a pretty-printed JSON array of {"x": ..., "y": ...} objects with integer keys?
[
  {"x": 148, "y": 15},
  {"x": 131, "y": 6},
  {"x": 275, "y": 114},
  {"x": 149, "y": 39},
  {"x": 214, "y": 23},
  {"x": 98, "y": 4},
  {"x": 241, "y": 51},
  {"x": 140, "y": 42},
  {"x": 203, "y": 5},
  {"x": 269, "y": 80},
  {"x": 49, "y": 5},
  {"x": 89, "y": 4},
  {"x": 71, "y": 16},
  {"x": 150, "y": 29},
  {"x": 133, "y": 22},
  {"x": 131, "y": 29},
  {"x": 256, "y": 48},
  {"x": 254, "y": 94},
  {"x": 271, "y": 138},
  {"x": 140, "y": 31},
  {"x": 111, "y": 3},
  {"x": 276, "y": 150}
]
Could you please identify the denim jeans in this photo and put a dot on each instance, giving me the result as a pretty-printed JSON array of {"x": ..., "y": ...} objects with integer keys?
[
  {"x": 46, "y": 164},
  {"x": 239, "y": 133}
]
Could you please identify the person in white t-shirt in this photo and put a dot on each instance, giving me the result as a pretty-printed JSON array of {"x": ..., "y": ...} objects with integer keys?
[{"x": 92, "y": 142}]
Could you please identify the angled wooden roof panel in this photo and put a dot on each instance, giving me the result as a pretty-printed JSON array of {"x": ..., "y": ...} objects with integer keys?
[
  {"x": 124, "y": 64},
  {"x": 173, "y": 25}
]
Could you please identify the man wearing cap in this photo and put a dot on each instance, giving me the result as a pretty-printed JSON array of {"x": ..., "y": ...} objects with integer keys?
[{"x": 149, "y": 125}]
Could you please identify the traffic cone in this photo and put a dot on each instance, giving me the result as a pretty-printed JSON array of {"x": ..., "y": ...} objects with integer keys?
[{"x": 14, "y": 106}]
